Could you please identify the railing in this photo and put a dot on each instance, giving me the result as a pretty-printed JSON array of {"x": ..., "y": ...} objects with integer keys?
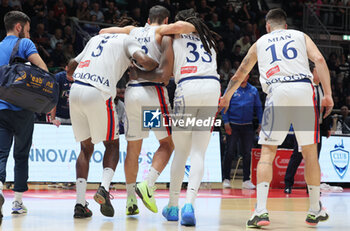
[
  {"x": 315, "y": 17},
  {"x": 334, "y": 18},
  {"x": 78, "y": 26}
]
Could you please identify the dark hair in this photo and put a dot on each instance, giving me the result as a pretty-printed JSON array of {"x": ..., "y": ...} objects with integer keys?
[
  {"x": 158, "y": 13},
  {"x": 13, "y": 17},
  {"x": 277, "y": 16},
  {"x": 126, "y": 21},
  {"x": 205, "y": 34}
]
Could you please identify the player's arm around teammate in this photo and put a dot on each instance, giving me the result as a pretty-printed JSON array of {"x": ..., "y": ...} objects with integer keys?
[
  {"x": 179, "y": 27},
  {"x": 165, "y": 70}
]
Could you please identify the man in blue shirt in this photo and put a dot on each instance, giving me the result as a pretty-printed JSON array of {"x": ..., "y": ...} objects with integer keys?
[
  {"x": 16, "y": 122},
  {"x": 239, "y": 125},
  {"x": 60, "y": 113}
]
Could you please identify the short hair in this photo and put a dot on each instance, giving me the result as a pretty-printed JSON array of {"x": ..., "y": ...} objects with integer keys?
[
  {"x": 13, "y": 17},
  {"x": 276, "y": 16},
  {"x": 158, "y": 13}
]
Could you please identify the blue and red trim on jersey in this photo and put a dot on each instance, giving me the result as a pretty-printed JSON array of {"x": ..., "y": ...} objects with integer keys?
[
  {"x": 164, "y": 108},
  {"x": 111, "y": 122}
]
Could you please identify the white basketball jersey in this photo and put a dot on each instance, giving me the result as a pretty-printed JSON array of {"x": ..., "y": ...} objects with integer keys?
[
  {"x": 147, "y": 39},
  {"x": 191, "y": 59},
  {"x": 104, "y": 60},
  {"x": 282, "y": 57}
]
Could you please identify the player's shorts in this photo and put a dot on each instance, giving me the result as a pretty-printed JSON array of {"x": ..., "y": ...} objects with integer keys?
[
  {"x": 91, "y": 115},
  {"x": 290, "y": 103},
  {"x": 196, "y": 99},
  {"x": 143, "y": 97}
]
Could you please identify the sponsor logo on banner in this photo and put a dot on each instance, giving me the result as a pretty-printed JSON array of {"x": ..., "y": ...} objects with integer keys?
[
  {"x": 340, "y": 159},
  {"x": 188, "y": 69},
  {"x": 272, "y": 71},
  {"x": 151, "y": 118}
]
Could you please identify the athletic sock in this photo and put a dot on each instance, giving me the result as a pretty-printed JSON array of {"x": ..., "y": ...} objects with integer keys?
[
  {"x": 152, "y": 176},
  {"x": 191, "y": 195},
  {"x": 130, "y": 189},
  {"x": 262, "y": 192},
  {"x": 81, "y": 190},
  {"x": 18, "y": 196},
  {"x": 314, "y": 198},
  {"x": 107, "y": 177}
]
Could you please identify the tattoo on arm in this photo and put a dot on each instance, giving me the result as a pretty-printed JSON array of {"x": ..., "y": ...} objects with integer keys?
[{"x": 232, "y": 84}]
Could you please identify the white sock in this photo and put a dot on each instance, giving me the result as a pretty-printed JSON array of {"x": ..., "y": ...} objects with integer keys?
[
  {"x": 314, "y": 198},
  {"x": 130, "y": 189},
  {"x": 107, "y": 177},
  {"x": 152, "y": 176},
  {"x": 18, "y": 196},
  {"x": 81, "y": 190},
  {"x": 1, "y": 187},
  {"x": 261, "y": 197}
]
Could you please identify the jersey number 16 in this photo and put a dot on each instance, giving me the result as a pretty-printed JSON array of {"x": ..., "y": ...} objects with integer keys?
[{"x": 288, "y": 52}]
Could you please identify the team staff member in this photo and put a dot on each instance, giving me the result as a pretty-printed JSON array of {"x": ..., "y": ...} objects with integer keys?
[
  {"x": 16, "y": 123},
  {"x": 239, "y": 126}
]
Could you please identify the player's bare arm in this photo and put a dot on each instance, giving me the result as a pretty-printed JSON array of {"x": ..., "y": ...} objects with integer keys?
[
  {"x": 165, "y": 69},
  {"x": 179, "y": 27},
  {"x": 243, "y": 70},
  {"x": 72, "y": 65},
  {"x": 144, "y": 60},
  {"x": 117, "y": 30},
  {"x": 323, "y": 73}
]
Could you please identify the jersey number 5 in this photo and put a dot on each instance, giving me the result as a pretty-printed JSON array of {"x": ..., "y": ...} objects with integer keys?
[
  {"x": 100, "y": 47},
  {"x": 288, "y": 52},
  {"x": 206, "y": 57}
]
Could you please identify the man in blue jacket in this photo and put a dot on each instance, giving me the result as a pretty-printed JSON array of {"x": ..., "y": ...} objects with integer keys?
[
  {"x": 16, "y": 123},
  {"x": 239, "y": 126}
]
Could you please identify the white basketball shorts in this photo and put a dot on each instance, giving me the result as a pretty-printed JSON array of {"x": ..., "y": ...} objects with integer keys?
[
  {"x": 91, "y": 115},
  {"x": 141, "y": 96},
  {"x": 287, "y": 104}
]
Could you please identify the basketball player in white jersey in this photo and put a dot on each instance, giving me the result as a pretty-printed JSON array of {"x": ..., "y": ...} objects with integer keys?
[
  {"x": 285, "y": 76},
  {"x": 141, "y": 94},
  {"x": 192, "y": 59},
  {"x": 97, "y": 69}
]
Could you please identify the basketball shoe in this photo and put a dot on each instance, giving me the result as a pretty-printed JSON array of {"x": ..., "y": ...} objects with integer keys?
[
  {"x": 146, "y": 194},
  {"x": 102, "y": 196}
]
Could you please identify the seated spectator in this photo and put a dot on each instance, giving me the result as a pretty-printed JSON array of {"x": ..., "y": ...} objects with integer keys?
[
  {"x": 244, "y": 42},
  {"x": 223, "y": 53},
  {"x": 15, "y": 4},
  {"x": 204, "y": 10},
  {"x": 41, "y": 37},
  {"x": 69, "y": 35},
  {"x": 236, "y": 54},
  {"x": 215, "y": 23},
  {"x": 59, "y": 8},
  {"x": 92, "y": 28},
  {"x": 96, "y": 11},
  {"x": 111, "y": 13},
  {"x": 62, "y": 22},
  {"x": 226, "y": 72},
  {"x": 57, "y": 55},
  {"x": 69, "y": 52},
  {"x": 83, "y": 12},
  {"x": 51, "y": 20},
  {"x": 56, "y": 38},
  {"x": 231, "y": 33}
]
